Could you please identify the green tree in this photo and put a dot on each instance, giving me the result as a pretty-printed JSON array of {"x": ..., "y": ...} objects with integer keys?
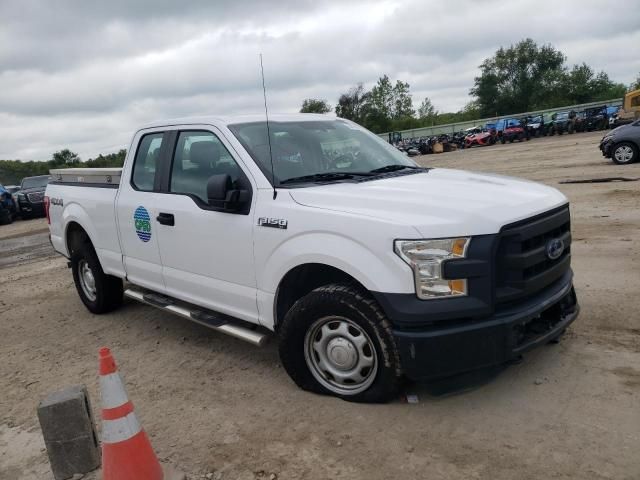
[
  {"x": 352, "y": 105},
  {"x": 65, "y": 157},
  {"x": 516, "y": 78},
  {"x": 402, "y": 101},
  {"x": 635, "y": 85},
  {"x": 427, "y": 113},
  {"x": 314, "y": 105}
]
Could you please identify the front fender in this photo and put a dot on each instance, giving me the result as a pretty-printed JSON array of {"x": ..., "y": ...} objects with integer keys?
[{"x": 378, "y": 272}]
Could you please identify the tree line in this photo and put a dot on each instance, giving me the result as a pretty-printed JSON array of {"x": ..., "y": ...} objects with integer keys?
[
  {"x": 524, "y": 77},
  {"x": 13, "y": 171}
]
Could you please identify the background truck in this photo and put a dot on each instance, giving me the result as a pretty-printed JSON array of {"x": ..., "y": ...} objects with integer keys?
[
  {"x": 367, "y": 267},
  {"x": 31, "y": 196}
]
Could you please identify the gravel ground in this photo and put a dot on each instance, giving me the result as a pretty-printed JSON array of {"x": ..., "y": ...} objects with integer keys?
[{"x": 212, "y": 404}]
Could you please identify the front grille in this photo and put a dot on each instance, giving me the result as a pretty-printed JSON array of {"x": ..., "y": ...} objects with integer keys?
[
  {"x": 523, "y": 266},
  {"x": 35, "y": 197}
]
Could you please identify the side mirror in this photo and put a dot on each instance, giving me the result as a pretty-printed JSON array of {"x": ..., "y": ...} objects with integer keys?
[
  {"x": 217, "y": 188},
  {"x": 221, "y": 194}
]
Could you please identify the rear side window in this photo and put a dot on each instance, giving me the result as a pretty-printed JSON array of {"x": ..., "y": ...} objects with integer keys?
[
  {"x": 146, "y": 161},
  {"x": 198, "y": 156}
]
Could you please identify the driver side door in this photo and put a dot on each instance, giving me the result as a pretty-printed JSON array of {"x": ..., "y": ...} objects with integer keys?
[{"x": 206, "y": 252}]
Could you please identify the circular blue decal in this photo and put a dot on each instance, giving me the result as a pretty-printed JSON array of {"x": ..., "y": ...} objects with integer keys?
[{"x": 142, "y": 221}]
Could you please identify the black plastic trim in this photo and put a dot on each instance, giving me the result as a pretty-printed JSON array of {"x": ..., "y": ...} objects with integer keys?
[{"x": 451, "y": 349}]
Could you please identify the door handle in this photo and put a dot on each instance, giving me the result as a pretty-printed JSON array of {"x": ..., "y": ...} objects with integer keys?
[{"x": 166, "y": 219}]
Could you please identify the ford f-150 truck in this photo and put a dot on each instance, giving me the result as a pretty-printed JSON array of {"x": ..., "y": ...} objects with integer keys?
[{"x": 367, "y": 267}]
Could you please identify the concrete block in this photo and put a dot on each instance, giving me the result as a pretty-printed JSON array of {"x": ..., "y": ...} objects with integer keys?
[{"x": 69, "y": 432}]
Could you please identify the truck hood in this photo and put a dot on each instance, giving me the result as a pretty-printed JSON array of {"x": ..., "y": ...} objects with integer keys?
[{"x": 438, "y": 203}]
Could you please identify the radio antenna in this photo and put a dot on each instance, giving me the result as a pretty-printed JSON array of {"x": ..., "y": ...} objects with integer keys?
[{"x": 266, "y": 114}]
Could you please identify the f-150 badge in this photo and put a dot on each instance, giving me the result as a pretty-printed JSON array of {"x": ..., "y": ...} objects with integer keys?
[
  {"x": 272, "y": 222},
  {"x": 142, "y": 222}
]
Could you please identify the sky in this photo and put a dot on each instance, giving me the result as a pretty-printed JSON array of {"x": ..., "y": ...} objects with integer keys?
[{"x": 84, "y": 74}]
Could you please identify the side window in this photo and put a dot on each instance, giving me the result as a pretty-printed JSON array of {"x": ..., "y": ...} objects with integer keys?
[
  {"x": 198, "y": 156},
  {"x": 147, "y": 157},
  {"x": 635, "y": 101}
]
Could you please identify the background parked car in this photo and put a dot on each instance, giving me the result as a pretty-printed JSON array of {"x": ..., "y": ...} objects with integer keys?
[
  {"x": 596, "y": 118},
  {"x": 510, "y": 129},
  {"x": 31, "y": 196},
  {"x": 13, "y": 190},
  {"x": 622, "y": 144},
  {"x": 7, "y": 206}
]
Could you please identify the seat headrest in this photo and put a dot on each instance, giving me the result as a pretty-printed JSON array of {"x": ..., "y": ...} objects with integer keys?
[{"x": 205, "y": 154}]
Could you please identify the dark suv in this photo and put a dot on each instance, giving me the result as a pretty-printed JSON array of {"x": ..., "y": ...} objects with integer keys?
[
  {"x": 31, "y": 196},
  {"x": 596, "y": 118},
  {"x": 622, "y": 144}
]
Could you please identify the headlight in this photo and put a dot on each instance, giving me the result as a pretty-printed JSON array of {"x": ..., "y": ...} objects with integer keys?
[
  {"x": 21, "y": 196},
  {"x": 426, "y": 258}
]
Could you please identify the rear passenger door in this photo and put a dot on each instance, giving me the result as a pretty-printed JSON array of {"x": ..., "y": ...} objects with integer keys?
[
  {"x": 207, "y": 253},
  {"x": 136, "y": 210}
]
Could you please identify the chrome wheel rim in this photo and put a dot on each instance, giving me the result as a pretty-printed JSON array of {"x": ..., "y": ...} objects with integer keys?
[
  {"x": 624, "y": 154},
  {"x": 340, "y": 355},
  {"x": 87, "y": 280}
]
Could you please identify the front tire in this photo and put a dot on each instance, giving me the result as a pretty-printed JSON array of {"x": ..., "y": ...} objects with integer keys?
[
  {"x": 337, "y": 341},
  {"x": 624, "y": 153},
  {"x": 100, "y": 293}
]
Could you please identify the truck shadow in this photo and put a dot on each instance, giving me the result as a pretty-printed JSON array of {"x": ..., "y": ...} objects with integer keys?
[{"x": 457, "y": 384}]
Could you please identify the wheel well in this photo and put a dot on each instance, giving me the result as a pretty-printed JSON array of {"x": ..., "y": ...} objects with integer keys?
[
  {"x": 76, "y": 236},
  {"x": 303, "y": 279}
]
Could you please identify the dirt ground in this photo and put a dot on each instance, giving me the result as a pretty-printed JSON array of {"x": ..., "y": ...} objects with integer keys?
[{"x": 212, "y": 404}]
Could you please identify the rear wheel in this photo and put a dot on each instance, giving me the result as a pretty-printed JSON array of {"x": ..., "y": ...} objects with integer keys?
[
  {"x": 101, "y": 293},
  {"x": 625, "y": 153},
  {"x": 337, "y": 341}
]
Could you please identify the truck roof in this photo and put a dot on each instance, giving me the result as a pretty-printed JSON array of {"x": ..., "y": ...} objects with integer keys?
[{"x": 219, "y": 120}]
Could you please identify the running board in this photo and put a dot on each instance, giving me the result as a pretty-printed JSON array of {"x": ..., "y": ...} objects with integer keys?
[{"x": 215, "y": 321}]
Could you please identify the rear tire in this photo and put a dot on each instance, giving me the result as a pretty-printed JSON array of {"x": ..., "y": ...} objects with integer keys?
[
  {"x": 100, "y": 293},
  {"x": 337, "y": 341},
  {"x": 624, "y": 153}
]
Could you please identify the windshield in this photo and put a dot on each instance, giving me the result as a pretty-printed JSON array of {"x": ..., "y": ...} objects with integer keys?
[
  {"x": 562, "y": 116},
  {"x": 35, "y": 182},
  {"x": 311, "y": 148},
  {"x": 537, "y": 119}
]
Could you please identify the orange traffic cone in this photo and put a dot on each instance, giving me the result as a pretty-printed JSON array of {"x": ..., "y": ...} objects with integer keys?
[{"x": 126, "y": 451}]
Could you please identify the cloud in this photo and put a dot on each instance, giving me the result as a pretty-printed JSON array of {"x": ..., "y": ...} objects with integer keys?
[{"x": 83, "y": 75}]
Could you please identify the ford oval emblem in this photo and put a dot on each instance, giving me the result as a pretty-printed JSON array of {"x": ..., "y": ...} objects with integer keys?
[{"x": 555, "y": 247}]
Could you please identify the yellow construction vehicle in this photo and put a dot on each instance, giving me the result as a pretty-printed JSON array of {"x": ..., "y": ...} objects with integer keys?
[{"x": 630, "y": 110}]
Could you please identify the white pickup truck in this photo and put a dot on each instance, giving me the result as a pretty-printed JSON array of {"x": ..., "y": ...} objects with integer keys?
[{"x": 368, "y": 267}]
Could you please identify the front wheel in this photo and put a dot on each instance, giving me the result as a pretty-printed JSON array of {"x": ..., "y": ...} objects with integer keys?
[
  {"x": 337, "y": 341},
  {"x": 101, "y": 293},
  {"x": 625, "y": 153}
]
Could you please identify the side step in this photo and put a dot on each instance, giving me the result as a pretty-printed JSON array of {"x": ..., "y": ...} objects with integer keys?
[{"x": 216, "y": 321}]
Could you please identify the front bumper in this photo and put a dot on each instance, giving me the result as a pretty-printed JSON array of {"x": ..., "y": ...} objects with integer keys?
[
  {"x": 441, "y": 351},
  {"x": 606, "y": 147},
  {"x": 32, "y": 208}
]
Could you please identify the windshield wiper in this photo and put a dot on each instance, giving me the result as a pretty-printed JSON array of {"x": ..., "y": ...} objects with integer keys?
[
  {"x": 325, "y": 177},
  {"x": 393, "y": 168}
]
